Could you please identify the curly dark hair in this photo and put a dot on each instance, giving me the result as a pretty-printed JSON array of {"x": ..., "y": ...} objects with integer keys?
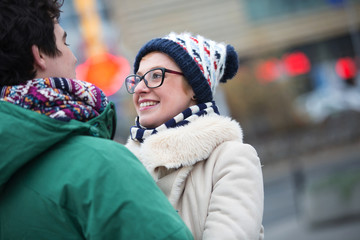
[{"x": 24, "y": 23}]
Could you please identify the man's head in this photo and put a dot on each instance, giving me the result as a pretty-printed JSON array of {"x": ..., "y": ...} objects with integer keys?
[{"x": 28, "y": 40}]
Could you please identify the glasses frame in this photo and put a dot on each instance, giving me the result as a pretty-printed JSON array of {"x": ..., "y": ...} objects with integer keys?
[{"x": 163, "y": 70}]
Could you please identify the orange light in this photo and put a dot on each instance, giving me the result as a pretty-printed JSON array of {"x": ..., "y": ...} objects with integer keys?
[
  {"x": 104, "y": 71},
  {"x": 101, "y": 68}
]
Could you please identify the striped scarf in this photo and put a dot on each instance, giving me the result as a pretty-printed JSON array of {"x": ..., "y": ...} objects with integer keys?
[
  {"x": 59, "y": 98},
  {"x": 140, "y": 133}
]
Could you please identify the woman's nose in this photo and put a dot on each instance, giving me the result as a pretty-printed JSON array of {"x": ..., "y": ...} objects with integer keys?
[{"x": 141, "y": 87}]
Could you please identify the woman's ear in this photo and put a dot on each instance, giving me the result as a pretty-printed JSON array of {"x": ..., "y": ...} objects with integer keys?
[
  {"x": 39, "y": 61},
  {"x": 193, "y": 100}
]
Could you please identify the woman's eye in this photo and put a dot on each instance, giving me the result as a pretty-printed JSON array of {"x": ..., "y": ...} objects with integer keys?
[{"x": 156, "y": 75}]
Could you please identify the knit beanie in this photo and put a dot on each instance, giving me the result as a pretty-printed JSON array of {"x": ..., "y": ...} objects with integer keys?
[{"x": 203, "y": 62}]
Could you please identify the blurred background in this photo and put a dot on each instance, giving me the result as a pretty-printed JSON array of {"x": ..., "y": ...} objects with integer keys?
[{"x": 296, "y": 95}]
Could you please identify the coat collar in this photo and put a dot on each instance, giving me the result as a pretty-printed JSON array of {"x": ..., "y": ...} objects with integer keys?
[{"x": 186, "y": 145}]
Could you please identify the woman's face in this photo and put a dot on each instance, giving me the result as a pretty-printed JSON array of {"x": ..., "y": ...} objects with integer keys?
[{"x": 155, "y": 106}]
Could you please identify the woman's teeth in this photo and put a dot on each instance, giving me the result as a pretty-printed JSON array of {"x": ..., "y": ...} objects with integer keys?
[{"x": 146, "y": 104}]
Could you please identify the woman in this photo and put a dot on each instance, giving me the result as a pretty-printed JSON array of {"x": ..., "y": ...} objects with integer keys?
[{"x": 195, "y": 155}]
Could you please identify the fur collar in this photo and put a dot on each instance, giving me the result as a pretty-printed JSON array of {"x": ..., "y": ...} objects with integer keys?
[{"x": 185, "y": 145}]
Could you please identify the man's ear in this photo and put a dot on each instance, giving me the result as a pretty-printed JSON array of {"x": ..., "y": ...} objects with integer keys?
[{"x": 39, "y": 61}]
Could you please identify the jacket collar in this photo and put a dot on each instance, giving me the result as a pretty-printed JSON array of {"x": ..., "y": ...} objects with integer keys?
[
  {"x": 29, "y": 134},
  {"x": 186, "y": 145}
]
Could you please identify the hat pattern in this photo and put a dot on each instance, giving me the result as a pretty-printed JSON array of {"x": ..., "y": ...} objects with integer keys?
[{"x": 208, "y": 55}]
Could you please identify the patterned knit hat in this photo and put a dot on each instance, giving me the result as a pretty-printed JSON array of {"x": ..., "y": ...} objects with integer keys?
[{"x": 204, "y": 62}]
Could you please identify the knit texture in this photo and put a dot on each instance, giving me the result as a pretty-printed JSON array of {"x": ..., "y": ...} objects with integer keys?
[
  {"x": 204, "y": 62},
  {"x": 59, "y": 98},
  {"x": 139, "y": 133}
]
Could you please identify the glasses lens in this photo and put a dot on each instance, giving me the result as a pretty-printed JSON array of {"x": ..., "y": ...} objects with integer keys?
[
  {"x": 131, "y": 82},
  {"x": 154, "y": 78}
]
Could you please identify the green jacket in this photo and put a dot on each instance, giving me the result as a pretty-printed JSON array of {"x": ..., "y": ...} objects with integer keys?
[{"x": 67, "y": 180}]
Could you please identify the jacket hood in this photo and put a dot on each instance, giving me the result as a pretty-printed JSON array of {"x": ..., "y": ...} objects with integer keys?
[
  {"x": 186, "y": 145},
  {"x": 26, "y": 134}
]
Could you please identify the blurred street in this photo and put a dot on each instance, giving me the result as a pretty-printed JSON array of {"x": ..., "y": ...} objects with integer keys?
[
  {"x": 288, "y": 215},
  {"x": 296, "y": 95}
]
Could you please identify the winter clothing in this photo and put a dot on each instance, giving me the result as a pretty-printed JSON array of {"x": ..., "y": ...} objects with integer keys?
[
  {"x": 139, "y": 133},
  {"x": 59, "y": 98},
  {"x": 67, "y": 180},
  {"x": 198, "y": 158},
  {"x": 203, "y": 62},
  {"x": 209, "y": 175}
]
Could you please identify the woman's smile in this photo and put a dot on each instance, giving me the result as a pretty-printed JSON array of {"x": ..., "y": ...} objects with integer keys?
[{"x": 147, "y": 105}]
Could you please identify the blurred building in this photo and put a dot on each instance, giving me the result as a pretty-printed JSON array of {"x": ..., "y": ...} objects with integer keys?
[
  {"x": 254, "y": 27},
  {"x": 299, "y": 54},
  {"x": 71, "y": 23},
  {"x": 296, "y": 95},
  {"x": 294, "y": 45}
]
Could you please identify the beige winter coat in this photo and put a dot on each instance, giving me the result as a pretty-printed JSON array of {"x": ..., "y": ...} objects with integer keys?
[{"x": 209, "y": 175}]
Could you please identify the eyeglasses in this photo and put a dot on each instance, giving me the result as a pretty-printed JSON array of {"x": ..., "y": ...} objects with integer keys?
[{"x": 153, "y": 79}]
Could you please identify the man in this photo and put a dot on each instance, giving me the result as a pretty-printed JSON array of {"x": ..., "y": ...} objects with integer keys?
[{"x": 61, "y": 177}]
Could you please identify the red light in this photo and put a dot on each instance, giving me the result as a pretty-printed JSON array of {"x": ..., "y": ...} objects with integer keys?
[
  {"x": 346, "y": 68},
  {"x": 296, "y": 63},
  {"x": 268, "y": 70},
  {"x": 105, "y": 71}
]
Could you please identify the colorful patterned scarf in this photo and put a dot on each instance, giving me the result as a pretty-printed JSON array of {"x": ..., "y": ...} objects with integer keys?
[
  {"x": 59, "y": 98},
  {"x": 139, "y": 133}
]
